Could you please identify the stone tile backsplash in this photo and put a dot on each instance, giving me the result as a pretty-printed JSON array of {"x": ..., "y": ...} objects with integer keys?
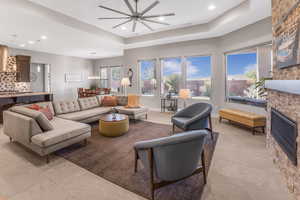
[{"x": 8, "y": 80}]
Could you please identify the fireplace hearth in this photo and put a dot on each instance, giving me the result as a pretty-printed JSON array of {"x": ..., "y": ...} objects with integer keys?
[{"x": 284, "y": 131}]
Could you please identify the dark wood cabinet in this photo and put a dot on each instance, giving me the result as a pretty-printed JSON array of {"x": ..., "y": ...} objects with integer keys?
[{"x": 23, "y": 68}]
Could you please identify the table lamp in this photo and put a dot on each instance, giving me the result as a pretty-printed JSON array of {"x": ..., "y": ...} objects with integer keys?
[
  {"x": 125, "y": 82},
  {"x": 184, "y": 94}
]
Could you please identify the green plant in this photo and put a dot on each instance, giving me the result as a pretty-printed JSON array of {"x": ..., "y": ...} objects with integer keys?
[
  {"x": 173, "y": 81},
  {"x": 260, "y": 87}
]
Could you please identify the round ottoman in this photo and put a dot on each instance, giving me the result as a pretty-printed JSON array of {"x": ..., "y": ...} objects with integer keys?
[{"x": 111, "y": 126}]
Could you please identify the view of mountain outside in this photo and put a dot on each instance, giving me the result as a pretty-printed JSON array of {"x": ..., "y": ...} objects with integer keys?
[
  {"x": 242, "y": 75},
  {"x": 199, "y": 76},
  {"x": 104, "y": 78},
  {"x": 147, "y": 70},
  {"x": 171, "y": 75},
  {"x": 115, "y": 79}
]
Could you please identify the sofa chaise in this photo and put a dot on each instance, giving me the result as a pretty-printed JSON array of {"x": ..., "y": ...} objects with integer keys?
[{"x": 32, "y": 129}]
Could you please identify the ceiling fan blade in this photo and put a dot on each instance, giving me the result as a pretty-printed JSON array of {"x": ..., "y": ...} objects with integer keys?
[
  {"x": 156, "y": 22},
  {"x": 113, "y": 10},
  {"x": 149, "y": 27},
  {"x": 129, "y": 6},
  {"x": 136, "y": 5},
  {"x": 127, "y": 21},
  {"x": 134, "y": 26},
  {"x": 113, "y": 18},
  {"x": 150, "y": 7},
  {"x": 162, "y": 15}
]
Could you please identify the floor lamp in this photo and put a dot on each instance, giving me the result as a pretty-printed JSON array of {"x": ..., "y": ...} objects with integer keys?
[{"x": 125, "y": 83}]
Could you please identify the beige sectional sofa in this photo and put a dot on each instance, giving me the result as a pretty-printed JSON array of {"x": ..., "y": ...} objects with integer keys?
[{"x": 32, "y": 129}]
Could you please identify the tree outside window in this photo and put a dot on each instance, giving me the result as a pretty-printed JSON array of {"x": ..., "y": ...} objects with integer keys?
[
  {"x": 242, "y": 75},
  {"x": 171, "y": 75}
]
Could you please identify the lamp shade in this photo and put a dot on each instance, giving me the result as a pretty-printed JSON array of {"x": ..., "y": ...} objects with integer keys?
[
  {"x": 185, "y": 93},
  {"x": 125, "y": 82}
]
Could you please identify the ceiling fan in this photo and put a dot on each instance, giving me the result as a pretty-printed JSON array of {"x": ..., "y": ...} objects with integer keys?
[{"x": 137, "y": 16}]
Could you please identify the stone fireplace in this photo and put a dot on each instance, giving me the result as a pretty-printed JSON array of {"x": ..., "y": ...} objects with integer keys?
[
  {"x": 289, "y": 105},
  {"x": 284, "y": 95}
]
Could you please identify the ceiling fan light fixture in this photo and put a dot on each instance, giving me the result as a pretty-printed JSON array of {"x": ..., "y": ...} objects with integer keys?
[
  {"x": 137, "y": 16},
  {"x": 211, "y": 7},
  {"x": 161, "y": 18}
]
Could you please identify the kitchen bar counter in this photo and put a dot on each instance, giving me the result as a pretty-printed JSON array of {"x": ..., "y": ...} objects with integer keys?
[
  {"x": 6, "y": 95},
  {"x": 8, "y": 100}
]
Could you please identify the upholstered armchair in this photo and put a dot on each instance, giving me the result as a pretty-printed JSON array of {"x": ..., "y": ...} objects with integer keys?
[
  {"x": 172, "y": 158},
  {"x": 194, "y": 117}
]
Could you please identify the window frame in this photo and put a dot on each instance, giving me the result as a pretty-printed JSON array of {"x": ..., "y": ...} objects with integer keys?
[
  {"x": 211, "y": 75},
  {"x": 247, "y": 50},
  {"x": 182, "y": 71},
  {"x": 109, "y": 75},
  {"x": 140, "y": 77}
]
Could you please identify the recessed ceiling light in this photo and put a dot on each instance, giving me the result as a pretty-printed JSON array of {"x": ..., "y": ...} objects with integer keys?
[
  {"x": 44, "y": 37},
  {"x": 31, "y": 42},
  {"x": 161, "y": 19},
  {"x": 123, "y": 28},
  {"x": 22, "y": 45},
  {"x": 211, "y": 7}
]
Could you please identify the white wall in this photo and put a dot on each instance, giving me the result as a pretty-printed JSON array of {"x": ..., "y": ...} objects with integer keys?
[
  {"x": 59, "y": 66},
  {"x": 258, "y": 33}
]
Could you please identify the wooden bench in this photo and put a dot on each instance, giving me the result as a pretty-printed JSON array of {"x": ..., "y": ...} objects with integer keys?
[{"x": 251, "y": 120}]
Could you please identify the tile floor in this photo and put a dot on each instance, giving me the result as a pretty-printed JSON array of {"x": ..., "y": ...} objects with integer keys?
[{"x": 241, "y": 170}]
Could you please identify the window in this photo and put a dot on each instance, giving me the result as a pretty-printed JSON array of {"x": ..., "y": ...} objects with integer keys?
[
  {"x": 147, "y": 75},
  {"x": 198, "y": 76},
  {"x": 242, "y": 75},
  {"x": 104, "y": 78},
  {"x": 115, "y": 79},
  {"x": 171, "y": 75}
]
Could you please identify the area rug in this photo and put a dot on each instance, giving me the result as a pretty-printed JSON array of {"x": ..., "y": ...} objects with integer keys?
[{"x": 113, "y": 159}]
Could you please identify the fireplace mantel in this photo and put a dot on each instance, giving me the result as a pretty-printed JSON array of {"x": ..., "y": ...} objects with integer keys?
[{"x": 287, "y": 86}]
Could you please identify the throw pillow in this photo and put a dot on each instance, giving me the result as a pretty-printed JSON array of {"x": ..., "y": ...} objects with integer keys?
[
  {"x": 122, "y": 100},
  {"x": 34, "y": 107},
  {"x": 109, "y": 101},
  {"x": 47, "y": 112},
  {"x": 133, "y": 101}
]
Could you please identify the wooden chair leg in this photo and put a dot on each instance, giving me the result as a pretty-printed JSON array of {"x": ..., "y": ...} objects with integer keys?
[
  {"x": 47, "y": 159},
  {"x": 85, "y": 142},
  {"x": 135, "y": 160},
  {"x": 173, "y": 129},
  {"x": 150, "y": 157},
  {"x": 211, "y": 127},
  {"x": 253, "y": 131},
  {"x": 146, "y": 116},
  {"x": 203, "y": 166},
  {"x": 220, "y": 119},
  {"x": 10, "y": 139}
]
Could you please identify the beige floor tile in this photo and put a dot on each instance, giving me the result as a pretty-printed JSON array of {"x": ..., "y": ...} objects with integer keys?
[{"x": 241, "y": 169}]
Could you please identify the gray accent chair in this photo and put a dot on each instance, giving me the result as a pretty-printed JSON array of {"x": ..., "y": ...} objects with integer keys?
[
  {"x": 172, "y": 158},
  {"x": 194, "y": 117}
]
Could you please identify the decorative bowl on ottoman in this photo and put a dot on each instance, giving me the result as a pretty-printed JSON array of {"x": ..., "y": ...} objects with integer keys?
[{"x": 113, "y": 125}]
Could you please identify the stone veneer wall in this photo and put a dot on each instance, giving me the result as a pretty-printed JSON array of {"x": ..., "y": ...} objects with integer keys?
[{"x": 288, "y": 104}]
